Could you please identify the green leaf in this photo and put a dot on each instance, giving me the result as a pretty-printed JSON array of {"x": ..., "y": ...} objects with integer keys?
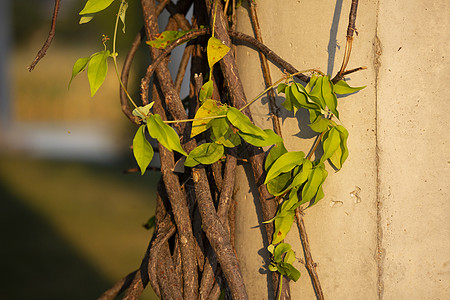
[
  {"x": 259, "y": 141},
  {"x": 208, "y": 109},
  {"x": 311, "y": 83},
  {"x": 143, "y": 111},
  {"x": 142, "y": 149},
  {"x": 243, "y": 123},
  {"x": 93, "y": 6},
  {"x": 222, "y": 133},
  {"x": 278, "y": 185},
  {"x": 301, "y": 97},
  {"x": 281, "y": 87},
  {"x": 303, "y": 175},
  {"x": 289, "y": 257},
  {"x": 206, "y": 153},
  {"x": 280, "y": 249},
  {"x": 79, "y": 67},
  {"x": 290, "y": 271},
  {"x": 285, "y": 163},
  {"x": 341, "y": 154},
  {"x": 316, "y": 93},
  {"x": 86, "y": 18},
  {"x": 330, "y": 143},
  {"x": 315, "y": 180},
  {"x": 276, "y": 151},
  {"x": 273, "y": 268},
  {"x": 320, "y": 124},
  {"x": 122, "y": 13},
  {"x": 206, "y": 91},
  {"x": 329, "y": 96},
  {"x": 150, "y": 223},
  {"x": 165, "y": 134},
  {"x": 282, "y": 227},
  {"x": 165, "y": 38},
  {"x": 97, "y": 70},
  {"x": 288, "y": 99},
  {"x": 341, "y": 88},
  {"x": 215, "y": 51}
]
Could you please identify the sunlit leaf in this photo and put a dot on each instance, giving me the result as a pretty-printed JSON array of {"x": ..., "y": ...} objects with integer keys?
[
  {"x": 288, "y": 99},
  {"x": 206, "y": 91},
  {"x": 315, "y": 180},
  {"x": 320, "y": 124},
  {"x": 79, "y": 67},
  {"x": 316, "y": 93},
  {"x": 281, "y": 87},
  {"x": 282, "y": 227},
  {"x": 258, "y": 141},
  {"x": 285, "y": 163},
  {"x": 165, "y": 134},
  {"x": 278, "y": 185},
  {"x": 276, "y": 151},
  {"x": 86, "y": 18},
  {"x": 208, "y": 109},
  {"x": 222, "y": 133},
  {"x": 97, "y": 70},
  {"x": 215, "y": 51},
  {"x": 206, "y": 153},
  {"x": 311, "y": 83},
  {"x": 143, "y": 111},
  {"x": 341, "y": 154},
  {"x": 329, "y": 96},
  {"x": 290, "y": 271},
  {"x": 341, "y": 88},
  {"x": 93, "y": 6},
  {"x": 243, "y": 123},
  {"x": 142, "y": 149},
  {"x": 330, "y": 143},
  {"x": 301, "y": 97},
  {"x": 165, "y": 38}
]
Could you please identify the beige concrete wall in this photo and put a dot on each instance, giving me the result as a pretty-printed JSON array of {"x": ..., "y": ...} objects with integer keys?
[{"x": 393, "y": 240}]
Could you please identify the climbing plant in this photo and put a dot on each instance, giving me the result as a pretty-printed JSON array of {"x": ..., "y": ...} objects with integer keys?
[{"x": 200, "y": 139}]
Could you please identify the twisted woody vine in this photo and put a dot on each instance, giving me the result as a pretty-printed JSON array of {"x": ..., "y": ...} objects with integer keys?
[{"x": 191, "y": 253}]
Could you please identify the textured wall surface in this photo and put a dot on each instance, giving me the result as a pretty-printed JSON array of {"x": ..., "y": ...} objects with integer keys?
[{"x": 382, "y": 230}]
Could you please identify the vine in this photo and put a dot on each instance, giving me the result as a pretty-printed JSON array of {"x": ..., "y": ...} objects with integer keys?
[{"x": 194, "y": 208}]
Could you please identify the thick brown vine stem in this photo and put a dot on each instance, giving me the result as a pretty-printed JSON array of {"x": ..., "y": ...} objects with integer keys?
[
  {"x": 118, "y": 287},
  {"x": 213, "y": 228},
  {"x": 238, "y": 99},
  {"x": 265, "y": 69},
  {"x": 310, "y": 264},
  {"x": 49, "y": 39}
]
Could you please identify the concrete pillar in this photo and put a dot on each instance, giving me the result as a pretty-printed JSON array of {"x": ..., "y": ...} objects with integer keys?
[{"x": 382, "y": 230}]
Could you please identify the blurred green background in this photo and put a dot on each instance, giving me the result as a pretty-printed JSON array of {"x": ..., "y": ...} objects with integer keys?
[{"x": 71, "y": 220}]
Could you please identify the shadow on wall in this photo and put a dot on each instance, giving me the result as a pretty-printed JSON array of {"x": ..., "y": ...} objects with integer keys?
[{"x": 35, "y": 260}]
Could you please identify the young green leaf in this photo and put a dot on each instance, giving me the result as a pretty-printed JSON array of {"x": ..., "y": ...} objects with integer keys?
[
  {"x": 289, "y": 270},
  {"x": 285, "y": 163},
  {"x": 242, "y": 122},
  {"x": 282, "y": 227},
  {"x": 222, "y": 133},
  {"x": 165, "y": 134},
  {"x": 86, "y": 18},
  {"x": 280, "y": 184},
  {"x": 258, "y": 141},
  {"x": 341, "y": 88},
  {"x": 143, "y": 111},
  {"x": 280, "y": 249},
  {"x": 208, "y": 109},
  {"x": 316, "y": 93},
  {"x": 165, "y": 38},
  {"x": 276, "y": 151},
  {"x": 303, "y": 175},
  {"x": 301, "y": 97},
  {"x": 122, "y": 13},
  {"x": 320, "y": 124},
  {"x": 206, "y": 153},
  {"x": 330, "y": 143},
  {"x": 206, "y": 91},
  {"x": 79, "y": 67},
  {"x": 281, "y": 87},
  {"x": 142, "y": 149},
  {"x": 341, "y": 154},
  {"x": 329, "y": 96},
  {"x": 288, "y": 98},
  {"x": 311, "y": 83},
  {"x": 315, "y": 180},
  {"x": 97, "y": 70},
  {"x": 215, "y": 51},
  {"x": 93, "y": 6}
]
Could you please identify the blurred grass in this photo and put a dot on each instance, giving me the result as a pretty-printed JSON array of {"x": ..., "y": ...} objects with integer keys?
[{"x": 70, "y": 230}]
